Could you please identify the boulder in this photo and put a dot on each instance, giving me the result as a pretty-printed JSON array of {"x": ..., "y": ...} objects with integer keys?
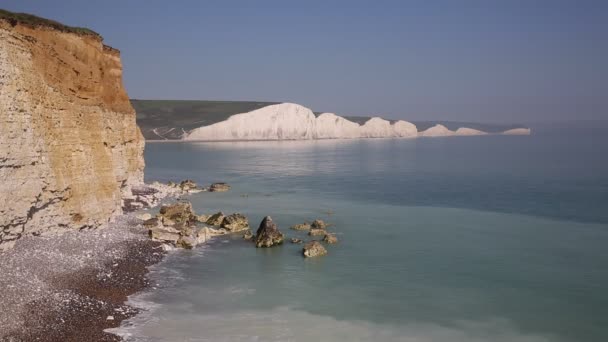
[
  {"x": 317, "y": 232},
  {"x": 216, "y": 219},
  {"x": 318, "y": 224},
  {"x": 301, "y": 226},
  {"x": 180, "y": 212},
  {"x": 235, "y": 223},
  {"x": 296, "y": 240},
  {"x": 268, "y": 234},
  {"x": 219, "y": 187},
  {"x": 313, "y": 249},
  {"x": 187, "y": 242},
  {"x": 248, "y": 235},
  {"x": 330, "y": 239},
  {"x": 163, "y": 235}
]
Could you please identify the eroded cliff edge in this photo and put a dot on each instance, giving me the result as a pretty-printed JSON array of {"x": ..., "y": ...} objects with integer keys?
[{"x": 69, "y": 143}]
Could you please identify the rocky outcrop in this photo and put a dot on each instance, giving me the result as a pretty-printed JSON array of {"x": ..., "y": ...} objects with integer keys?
[
  {"x": 313, "y": 249},
  {"x": 268, "y": 234},
  {"x": 235, "y": 222},
  {"x": 301, "y": 226},
  {"x": 219, "y": 187},
  {"x": 216, "y": 219},
  {"x": 330, "y": 239},
  {"x": 69, "y": 145},
  {"x": 178, "y": 213}
]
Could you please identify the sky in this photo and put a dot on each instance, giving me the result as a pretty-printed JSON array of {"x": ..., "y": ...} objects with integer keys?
[{"x": 482, "y": 60}]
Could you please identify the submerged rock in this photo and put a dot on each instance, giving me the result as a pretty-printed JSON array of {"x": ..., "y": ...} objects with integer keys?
[
  {"x": 301, "y": 226},
  {"x": 268, "y": 234},
  {"x": 313, "y": 249},
  {"x": 296, "y": 240},
  {"x": 317, "y": 232},
  {"x": 318, "y": 224},
  {"x": 216, "y": 219},
  {"x": 219, "y": 187},
  {"x": 235, "y": 223},
  {"x": 330, "y": 239}
]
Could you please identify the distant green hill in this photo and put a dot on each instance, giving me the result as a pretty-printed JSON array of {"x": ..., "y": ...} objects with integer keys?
[{"x": 170, "y": 119}]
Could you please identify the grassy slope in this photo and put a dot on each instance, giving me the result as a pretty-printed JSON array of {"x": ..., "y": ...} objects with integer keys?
[
  {"x": 34, "y": 21},
  {"x": 172, "y": 118}
]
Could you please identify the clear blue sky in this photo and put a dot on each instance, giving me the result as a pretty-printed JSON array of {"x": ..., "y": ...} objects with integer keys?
[{"x": 495, "y": 61}]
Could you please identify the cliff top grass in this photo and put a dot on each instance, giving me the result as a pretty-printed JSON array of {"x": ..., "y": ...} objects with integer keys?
[{"x": 33, "y": 21}]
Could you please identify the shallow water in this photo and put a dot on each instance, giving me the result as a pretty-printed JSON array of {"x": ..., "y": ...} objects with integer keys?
[{"x": 451, "y": 239}]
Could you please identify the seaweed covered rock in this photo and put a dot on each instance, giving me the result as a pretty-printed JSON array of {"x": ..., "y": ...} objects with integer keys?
[
  {"x": 330, "y": 239},
  {"x": 219, "y": 187},
  {"x": 313, "y": 249},
  {"x": 317, "y": 232},
  {"x": 235, "y": 223},
  {"x": 268, "y": 234},
  {"x": 318, "y": 224},
  {"x": 301, "y": 226},
  {"x": 216, "y": 219}
]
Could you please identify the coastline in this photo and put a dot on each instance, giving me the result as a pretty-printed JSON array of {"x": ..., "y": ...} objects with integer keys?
[{"x": 73, "y": 286}]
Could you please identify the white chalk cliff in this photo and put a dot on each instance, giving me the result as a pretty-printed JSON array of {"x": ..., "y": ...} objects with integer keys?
[{"x": 289, "y": 121}]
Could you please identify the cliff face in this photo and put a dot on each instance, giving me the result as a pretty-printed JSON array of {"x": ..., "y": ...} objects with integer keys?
[{"x": 69, "y": 143}]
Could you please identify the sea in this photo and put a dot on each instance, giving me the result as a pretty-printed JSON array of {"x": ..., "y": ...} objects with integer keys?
[{"x": 486, "y": 238}]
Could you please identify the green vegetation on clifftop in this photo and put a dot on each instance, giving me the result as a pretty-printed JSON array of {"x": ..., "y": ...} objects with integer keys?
[{"x": 35, "y": 21}]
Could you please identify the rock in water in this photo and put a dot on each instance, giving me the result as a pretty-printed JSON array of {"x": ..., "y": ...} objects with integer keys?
[
  {"x": 301, "y": 226},
  {"x": 216, "y": 219},
  {"x": 330, "y": 239},
  {"x": 268, "y": 234},
  {"x": 317, "y": 232},
  {"x": 313, "y": 249},
  {"x": 248, "y": 235},
  {"x": 235, "y": 223},
  {"x": 318, "y": 224},
  {"x": 178, "y": 213},
  {"x": 219, "y": 187},
  {"x": 187, "y": 185},
  {"x": 296, "y": 240}
]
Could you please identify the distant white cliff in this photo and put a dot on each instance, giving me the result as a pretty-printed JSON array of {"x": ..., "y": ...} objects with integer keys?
[
  {"x": 517, "y": 131},
  {"x": 442, "y": 131},
  {"x": 290, "y": 121}
]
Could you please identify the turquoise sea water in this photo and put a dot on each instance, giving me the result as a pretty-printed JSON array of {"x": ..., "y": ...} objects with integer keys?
[{"x": 450, "y": 239}]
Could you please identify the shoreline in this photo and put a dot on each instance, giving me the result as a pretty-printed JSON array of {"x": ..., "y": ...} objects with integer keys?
[{"x": 73, "y": 286}]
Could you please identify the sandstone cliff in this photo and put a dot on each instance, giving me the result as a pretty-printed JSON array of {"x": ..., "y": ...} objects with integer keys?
[{"x": 69, "y": 144}]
